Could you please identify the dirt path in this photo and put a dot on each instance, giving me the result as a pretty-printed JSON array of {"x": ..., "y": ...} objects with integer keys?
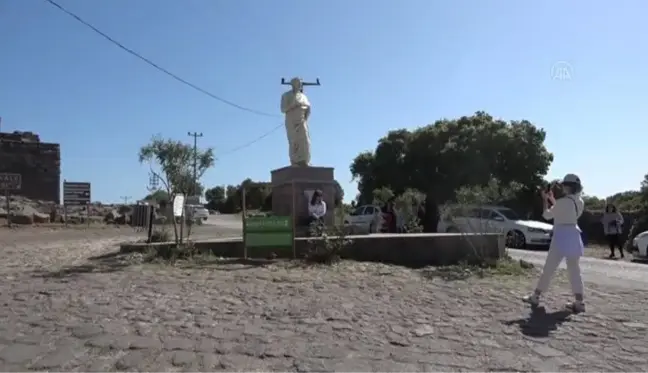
[{"x": 107, "y": 314}]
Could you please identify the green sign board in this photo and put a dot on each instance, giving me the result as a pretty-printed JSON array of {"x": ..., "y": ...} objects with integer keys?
[{"x": 268, "y": 232}]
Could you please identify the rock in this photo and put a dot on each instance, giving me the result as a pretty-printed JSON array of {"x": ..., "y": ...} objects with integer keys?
[
  {"x": 111, "y": 217},
  {"x": 40, "y": 218},
  {"x": 22, "y": 219}
]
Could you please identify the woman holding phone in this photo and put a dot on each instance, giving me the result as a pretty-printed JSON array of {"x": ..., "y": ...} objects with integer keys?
[{"x": 566, "y": 242}]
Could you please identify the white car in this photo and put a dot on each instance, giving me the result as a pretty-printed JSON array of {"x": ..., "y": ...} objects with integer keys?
[
  {"x": 198, "y": 212},
  {"x": 640, "y": 246},
  {"x": 520, "y": 233},
  {"x": 367, "y": 218}
]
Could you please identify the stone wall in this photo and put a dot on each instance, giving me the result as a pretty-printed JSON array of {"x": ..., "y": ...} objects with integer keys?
[{"x": 39, "y": 164}]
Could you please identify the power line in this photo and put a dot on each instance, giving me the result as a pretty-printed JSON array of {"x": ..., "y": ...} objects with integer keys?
[
  {"x": 156, "y": 66},
  {"x": 250, "y": 143}
]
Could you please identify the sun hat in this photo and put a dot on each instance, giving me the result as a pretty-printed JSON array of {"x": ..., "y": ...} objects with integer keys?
[{"x": 571, "y": 179}]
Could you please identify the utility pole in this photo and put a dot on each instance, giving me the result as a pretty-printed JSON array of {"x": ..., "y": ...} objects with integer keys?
[
  {"x": 153, "y": 182},
  {"x": 195, "y": 135},
  {"x": 125, "y": 198}
]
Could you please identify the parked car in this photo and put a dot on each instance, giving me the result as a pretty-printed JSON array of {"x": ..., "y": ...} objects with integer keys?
[
  {"x": 640, "y": 246},
  {"x": 198, "y": 212},
  {"x": 367, "y": 218},
  {"x": 520, "y": 233}
]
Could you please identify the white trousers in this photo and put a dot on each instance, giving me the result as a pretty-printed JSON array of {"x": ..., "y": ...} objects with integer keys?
[{"x": 554, "y": 258}]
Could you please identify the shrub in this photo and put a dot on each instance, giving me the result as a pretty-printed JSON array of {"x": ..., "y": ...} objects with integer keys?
[
  {"x": 161, "y": 235},
  {"x": 324, "y": 248}
]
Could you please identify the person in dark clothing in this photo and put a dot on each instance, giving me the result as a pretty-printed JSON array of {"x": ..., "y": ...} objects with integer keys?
[
  {"x": 612, "y": 222},
  {"x": 389, "y": 214},
  {"x": 430, "y": 214}
]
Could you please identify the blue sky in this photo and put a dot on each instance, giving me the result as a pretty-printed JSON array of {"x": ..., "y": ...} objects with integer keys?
[{"x": 383, "y": 65}]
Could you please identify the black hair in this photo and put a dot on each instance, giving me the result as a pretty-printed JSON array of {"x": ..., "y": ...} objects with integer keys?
[
  {"x": 610, "y": 206},
  {"x": 317, "y": 193}
]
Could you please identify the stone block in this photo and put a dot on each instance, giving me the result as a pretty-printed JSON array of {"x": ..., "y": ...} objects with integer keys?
[{"x": 295, "y": 185}]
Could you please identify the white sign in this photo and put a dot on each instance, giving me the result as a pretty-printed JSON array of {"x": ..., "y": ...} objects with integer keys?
[
  {"x": 178, "y": 205},
  {"x": 10, "y": 181}
]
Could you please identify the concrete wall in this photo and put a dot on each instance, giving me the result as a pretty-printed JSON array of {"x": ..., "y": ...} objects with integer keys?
[{"x": 411, "y": 250}]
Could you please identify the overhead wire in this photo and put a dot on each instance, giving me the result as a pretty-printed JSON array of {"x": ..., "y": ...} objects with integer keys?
[{"x": 173, "y": 76}]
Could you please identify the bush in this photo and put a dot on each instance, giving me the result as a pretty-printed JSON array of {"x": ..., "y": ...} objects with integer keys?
[
  {"x": 161, "y": 235},
  {"x": 506, "y": 266},
  {"x": 324, "y": 248},
  {"x": 172, "y": 253},
  {"x": 21, "y": 219}
]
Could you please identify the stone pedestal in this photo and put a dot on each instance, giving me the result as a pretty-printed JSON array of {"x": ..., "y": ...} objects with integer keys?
[{"x": 304, "y": 180}]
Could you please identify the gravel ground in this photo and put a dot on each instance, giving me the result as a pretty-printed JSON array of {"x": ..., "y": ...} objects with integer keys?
[{"x": 72, "y": 305}]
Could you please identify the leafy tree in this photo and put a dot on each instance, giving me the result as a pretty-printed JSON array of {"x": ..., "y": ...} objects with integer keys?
[
  {"x": 339, "y": 194},
  {"x": 175, "y": 161},
  {"x": 158, "y": 195},
  {"x": 382, "y": 195},
  {"x": 593, "y": 202},
  {"x": 215, "y": 197},
  {"x": 440, "y": 158},
  {"x": 408, "y": 206},
  {"x": 630, "y": 200},
  {"x": 641, "y": 223}
]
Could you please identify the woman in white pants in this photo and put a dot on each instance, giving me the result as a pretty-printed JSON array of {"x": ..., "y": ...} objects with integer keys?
[{"x": 566, "y": 242}]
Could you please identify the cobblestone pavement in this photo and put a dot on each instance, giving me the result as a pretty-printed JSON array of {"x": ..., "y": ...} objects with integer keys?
[{"x": 108, "y": 314}]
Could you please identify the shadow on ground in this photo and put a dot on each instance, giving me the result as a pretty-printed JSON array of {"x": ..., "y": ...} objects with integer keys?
[
  {"x": 224, "y": 264},
  {"x": 116, "y": 261},
  {"x": 106, "y": 263},
  {"x": 540, "y": 324}
]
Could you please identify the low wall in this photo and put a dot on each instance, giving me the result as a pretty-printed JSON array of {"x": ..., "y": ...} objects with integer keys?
[{"x": 411, "y": 250}]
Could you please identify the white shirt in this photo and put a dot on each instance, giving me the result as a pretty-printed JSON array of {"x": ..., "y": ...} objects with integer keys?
[
  {"x": 608, "y": 219},
  {"x": 566, "y": 211},
  {"x": 317, "y": 210}
]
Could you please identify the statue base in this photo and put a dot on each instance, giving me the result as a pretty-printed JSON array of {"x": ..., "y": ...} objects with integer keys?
[{"x": 303, "y": 181}]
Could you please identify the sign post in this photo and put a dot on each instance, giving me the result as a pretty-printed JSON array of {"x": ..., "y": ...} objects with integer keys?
[
  {"x": 244, "y": 217},
  {"x": 76, "y": 194},
  {"x": 9, "y": 181}
]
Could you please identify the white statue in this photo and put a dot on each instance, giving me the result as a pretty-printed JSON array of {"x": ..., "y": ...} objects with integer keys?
[{"x": 296, "y": 108}]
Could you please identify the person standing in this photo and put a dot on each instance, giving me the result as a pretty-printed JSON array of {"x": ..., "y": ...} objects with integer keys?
[
  {"x": 566, "y": 242},
  {"x": 612, "y": 222},
  {"x": 389, "y": 216}
]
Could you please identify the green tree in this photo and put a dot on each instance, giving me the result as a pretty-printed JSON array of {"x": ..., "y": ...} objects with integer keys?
[
  {"x": 593, "y": 202},
  {"x": 175, "y": 161},
  {"x": 158, "y": 195},
  {"x": 339, "y": 194},
  {"x": 440, "y": 158},
  {"x": 641, "y": 223},
  {"x": 215, "y": 197},
  {"x": 630, "y": 200},
  {"x": 382, "y": 195},
  {"x": 256, "y": 194}
]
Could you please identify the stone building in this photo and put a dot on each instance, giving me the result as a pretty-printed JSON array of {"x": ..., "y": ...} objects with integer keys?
[{"x": 39, "y": 164}]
